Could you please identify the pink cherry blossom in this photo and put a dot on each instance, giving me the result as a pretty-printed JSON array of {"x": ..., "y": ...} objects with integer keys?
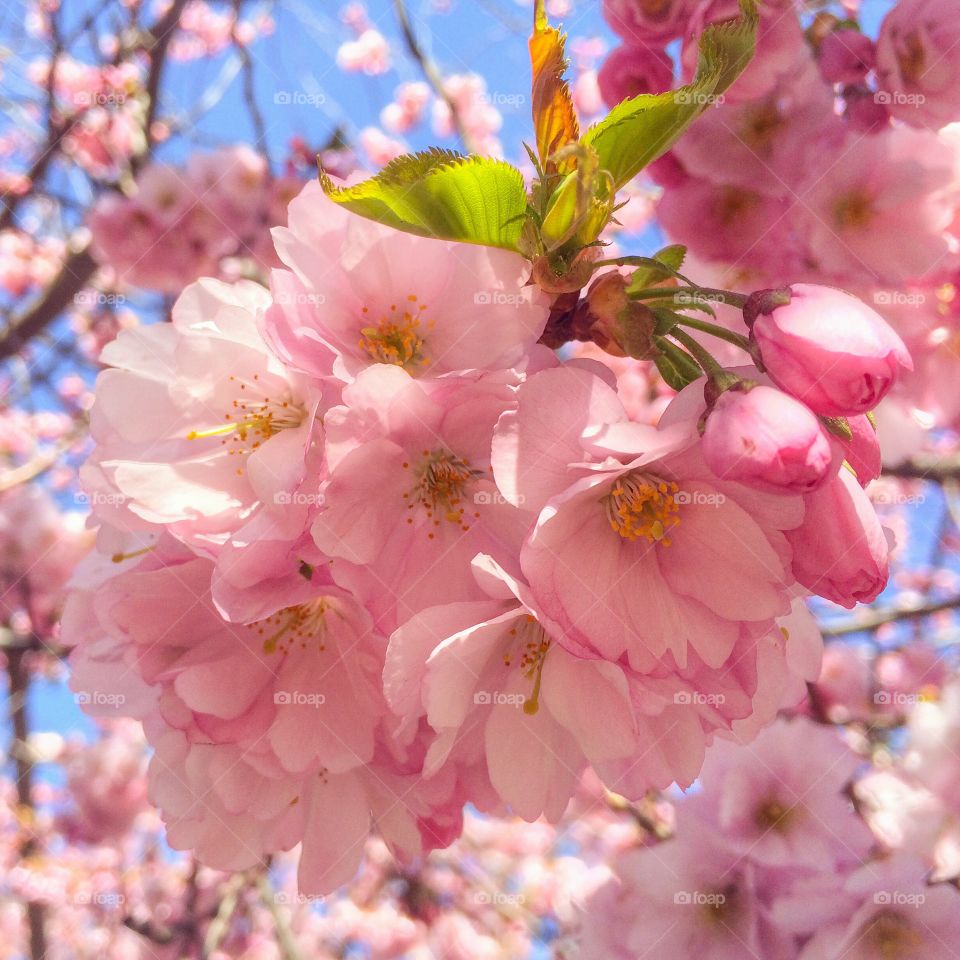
[
  {"x": 917, "y": 62},
  {"x": 471, "y": 310}
]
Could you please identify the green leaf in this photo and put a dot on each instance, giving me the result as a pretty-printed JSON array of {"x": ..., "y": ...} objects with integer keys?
[
  {"x": 661, "y": 266},
  {"x": 639, "y": 130},
  {"x": 442, "y": 194},
  {"x": 676, "y": 366}
]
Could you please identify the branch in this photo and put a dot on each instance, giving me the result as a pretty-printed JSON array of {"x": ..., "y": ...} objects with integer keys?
[
  {"x": 938, "y": 469},
  {"x": 431, "y": 73},
  {"x": 879, "y": 618},
  {"x": 19, "y": 682}
]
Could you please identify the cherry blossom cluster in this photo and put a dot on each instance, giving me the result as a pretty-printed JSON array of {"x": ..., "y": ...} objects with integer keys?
[
  {"x": 789, "y": 853},
  {"x": 833, "y": 159},
  {"x": 182, "y": 223},
  {"x": 369, "y": 551}
]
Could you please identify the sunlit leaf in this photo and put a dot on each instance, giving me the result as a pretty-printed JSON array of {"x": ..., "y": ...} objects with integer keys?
[
  {"x": 442, "y": 194},
  {"x": 639, "y": 130},
  {"x": 554, "y": 118}
]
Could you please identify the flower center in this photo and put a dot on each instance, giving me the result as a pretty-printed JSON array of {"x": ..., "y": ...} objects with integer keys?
[
  {"x": 528, "y": 646},
  {"x": 640, "y": 506},
  {"x": 911, "y": 58},
  {"x": 762, "y": 125},
  {"x": 774, "y": 815},
  {"x": 295, "y": 626},
  {"x": 854, "y": 210},
  {"x": 397, "y": 338},
  {"x": 250, "y": 421},
  {"x": 893, "y": 936},
  {"x": 442, "y": 479}
]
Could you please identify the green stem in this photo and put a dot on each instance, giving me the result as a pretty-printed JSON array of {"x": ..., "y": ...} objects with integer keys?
[
  {"x": 715, "y": 330},
  {"x": 699, "y": 352},
  {"x": 727, "y": 297}
]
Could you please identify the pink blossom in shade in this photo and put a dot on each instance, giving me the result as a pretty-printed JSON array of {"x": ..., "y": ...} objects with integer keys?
[
  {"x": 828, "y": 349},
  {"x": 765, "y": 438},
  {"x": 897, "y": 914},
  {"x": 197, "y": 424},
  {"x": 918, "y": 66},
  {"x": 692, "y": 896},
  {"x": 846, "y": 56},
  {"x": 782, "y": 51},
  {"x": 781, "y": 802},
  {"x": 107, "y": 781},
  {"x": 765, "y": 144},
  {"x": 642, "y": 21},
  {"x": 881, "y": 217},
  {"x": 911, "y": 673},
  {"x": 844, "y": 689},
  {"x": 863, "y": 112},
  {"x": 410, "y": 497},
  {"x": 369, "y": 53},
  {"x": 629, "y": 71},
  {"x": 841, "y": 551},
  {"x": 586, "y": 94},
  {"x": 380, "y": 148},
  {"x": 622, "y": 503},
  {"x": 902, "y": 813},
  {"x": 727, "y": 223},
  {"x": 428, "y": 306},
  {"x": 932, "y": 756},
  {"x": 39, "y": 546}
]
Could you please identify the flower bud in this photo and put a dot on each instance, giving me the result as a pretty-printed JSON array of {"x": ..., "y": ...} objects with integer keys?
[
  {"x": 766, "y": 439},
  {"x": 840, "y": 551},
  {"x": 829, "y": 349},
  {"x": 846, "y": 56}
]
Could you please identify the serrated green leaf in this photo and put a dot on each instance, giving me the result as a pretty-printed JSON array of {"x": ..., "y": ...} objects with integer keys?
[
  {"x": 442, "y": 194},
  {"x": 639, "y": 130}
]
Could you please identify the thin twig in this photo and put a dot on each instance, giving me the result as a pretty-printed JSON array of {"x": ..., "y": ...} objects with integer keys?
[{"x": 879, "y": 618}]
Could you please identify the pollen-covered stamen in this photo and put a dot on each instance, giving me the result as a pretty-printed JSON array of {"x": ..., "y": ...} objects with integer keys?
[
  {"x": 528, "y": 648},
  {"x": 892, "y": 936},
  {"x": 253, "y": 419},
  {"x": 442, "y": 482},
  {"x": 297, "y": 626},
  {"x": 398, "y": 338},
  {"x": 641, "y": 506}
]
